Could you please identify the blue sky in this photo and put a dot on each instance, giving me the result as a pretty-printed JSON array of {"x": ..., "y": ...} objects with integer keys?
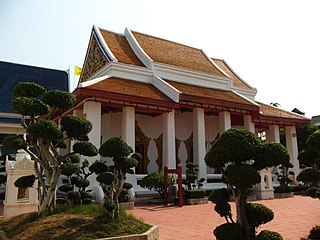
[{"x": 273, "y": 45}]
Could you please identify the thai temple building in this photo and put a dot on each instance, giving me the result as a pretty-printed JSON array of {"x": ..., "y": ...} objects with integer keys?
[{"x": 170, "y": 101}]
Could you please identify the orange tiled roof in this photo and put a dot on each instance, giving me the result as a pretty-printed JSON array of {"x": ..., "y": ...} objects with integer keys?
[
  {"x": 164, "y": 51},
  {"x": 120, "y": 48},
  {"x": 208, "y": 92},
  {"x": 270, "y": 111},
  {"x": 236, "y": 80},
  {"x": 129, "y": 87}
]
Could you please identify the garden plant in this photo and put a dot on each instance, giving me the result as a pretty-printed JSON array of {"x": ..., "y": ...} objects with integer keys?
[
  {"x": 193, "y": 183},
  {"x": 39, "y": 109},
  {"x": 240, "y": 155},
  {"x": 309, "y": 159},
  {"x": 154, "y": 182},
  {"x": 112, "y": 178}
]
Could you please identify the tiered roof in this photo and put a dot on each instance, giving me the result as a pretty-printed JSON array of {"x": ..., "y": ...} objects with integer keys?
[{"x": 209, "y": 82}]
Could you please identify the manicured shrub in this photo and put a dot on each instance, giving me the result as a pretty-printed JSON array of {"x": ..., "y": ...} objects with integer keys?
[
  {"x": 269, "y": 235},
  {"x": 223, "y": 209},
  {"x": 258, "y": 214},
  {"x": 309, "y": 176},
  {"x": 315, "y": 233},
  {"x": 75, "y": 126},
  {"x": 29, "y": 106},
  {"x": 25, "y": 181},
  {"x": 243, "y": 143},
  {"x": 283, "y": 189},
  {"x": 196, "y": 193},
  {"x": 85, "y": 148},
  {"x": 115, "y": 147},
  {"x": 44, "y": 129},
  {"x": 28, "y": 89},
  {"x": 313, "y": 192},
  {"x": 59, "y": 99},
  {"x": 154, "y": 182},
  {"x": 98, "y": 167},
  {"x": 14, "y": 142},
  {"x": 69, "y": 168},
  {"x": 219, "y": 196},
  {"x": 228, "y": 231},
  {"x": 242, "y": 175}
]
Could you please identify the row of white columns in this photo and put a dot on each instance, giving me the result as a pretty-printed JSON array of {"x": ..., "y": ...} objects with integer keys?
[{"x": 92, "y": 111}]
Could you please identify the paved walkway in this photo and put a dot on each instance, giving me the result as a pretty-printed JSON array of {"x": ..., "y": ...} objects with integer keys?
[{"x": 294, "y": 217}]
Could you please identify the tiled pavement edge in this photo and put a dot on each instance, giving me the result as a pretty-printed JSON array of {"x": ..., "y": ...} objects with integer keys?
[{"x": 294, "y": 217}]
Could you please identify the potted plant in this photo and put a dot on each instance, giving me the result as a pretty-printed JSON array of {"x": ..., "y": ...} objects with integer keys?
[
  {"x": 125, "y": 200},
  {"x": 194, "y": 193},
  {"x": 284, "y": 190}
]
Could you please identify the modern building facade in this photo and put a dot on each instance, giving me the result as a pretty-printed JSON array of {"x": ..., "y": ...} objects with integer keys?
[
  {"x": 170, "y": 101},
  {"x": 10, "y": 75}
]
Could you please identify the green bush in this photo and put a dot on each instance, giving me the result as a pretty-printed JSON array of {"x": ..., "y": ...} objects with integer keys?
[
  {"x": 197, "y": 193},
  {"x": 309, "y": 176},
  {"x": 115, "y": 147},
  {"x": 75, "y": 126},
  {"x": 14, "y": 142},
  {"x": 85, "y": 148},
  {"x": 283, "y": 189},
  {"x": 223, "y": 209},
  {"x": 219, "y": 196},
  {"x": 243, "y": 143},
  {"x": 228, "y": 231},
  {"x": 258, "y": 214},
  {"x": 313, "y": 192},
  {"x": 29, "y": 106},
  {"x": 315, "y": 233},
  {"x": 154, "y": 182},
  {"x": 242, "y": 175},
  {"x": 269, "y": 235},
  {"x": 25, "y": 181},
  {"x": 59, "y": 99},
  {"x": 44, "y": 129},
  {"x": 28, "y": 89}
]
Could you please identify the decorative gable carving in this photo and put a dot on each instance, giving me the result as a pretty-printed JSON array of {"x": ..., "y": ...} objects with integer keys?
[
  {"x": 96, "y": 58},
  {"x": 24, "y": 164}
]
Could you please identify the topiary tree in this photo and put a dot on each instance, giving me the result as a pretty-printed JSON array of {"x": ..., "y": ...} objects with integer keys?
[
  {"x": 192, "y": 176},
  {"x": 239, "y": 155},
  {"x": 112, "y": 178},
  {"x": 77, "y": 181},
  {"x": 154, "y": 182},
  {"x": 44, "y": 135},
  {"x": 310, "y": 160}
]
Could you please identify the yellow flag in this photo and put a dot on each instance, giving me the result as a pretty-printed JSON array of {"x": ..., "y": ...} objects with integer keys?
[{"x": 77, "y": 70}]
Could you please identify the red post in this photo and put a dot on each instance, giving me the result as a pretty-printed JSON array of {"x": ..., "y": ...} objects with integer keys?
[
  {"x": 179, "y": 171},
  {"x": 165, "y": 188}
]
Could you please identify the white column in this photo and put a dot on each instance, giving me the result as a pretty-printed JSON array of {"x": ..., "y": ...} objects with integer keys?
[
  {"x": 128, "y": 135},
  {"x": 224, "y": 121},
  {"x": 105, "y": 127},
  {"x": 169, "y": 140},
  {"x": 273, "y": 134},
  {"x": 292, "y": 146},
  {"x": 199, "y": 143},
  {"x": 128, "y": 126},
  {"x": 248, "y": 124},
  {"x": 92, "y": 111}
]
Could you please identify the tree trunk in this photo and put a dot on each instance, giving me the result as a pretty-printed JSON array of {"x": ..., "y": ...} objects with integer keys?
[
  {"x": 243, "y": 203},
  {"x": 118, "y": 191},
  {"x": 50, "y": 196}
]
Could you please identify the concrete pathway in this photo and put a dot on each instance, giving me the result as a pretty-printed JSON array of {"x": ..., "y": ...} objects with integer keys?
[{"x": 294, "y": 217}]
